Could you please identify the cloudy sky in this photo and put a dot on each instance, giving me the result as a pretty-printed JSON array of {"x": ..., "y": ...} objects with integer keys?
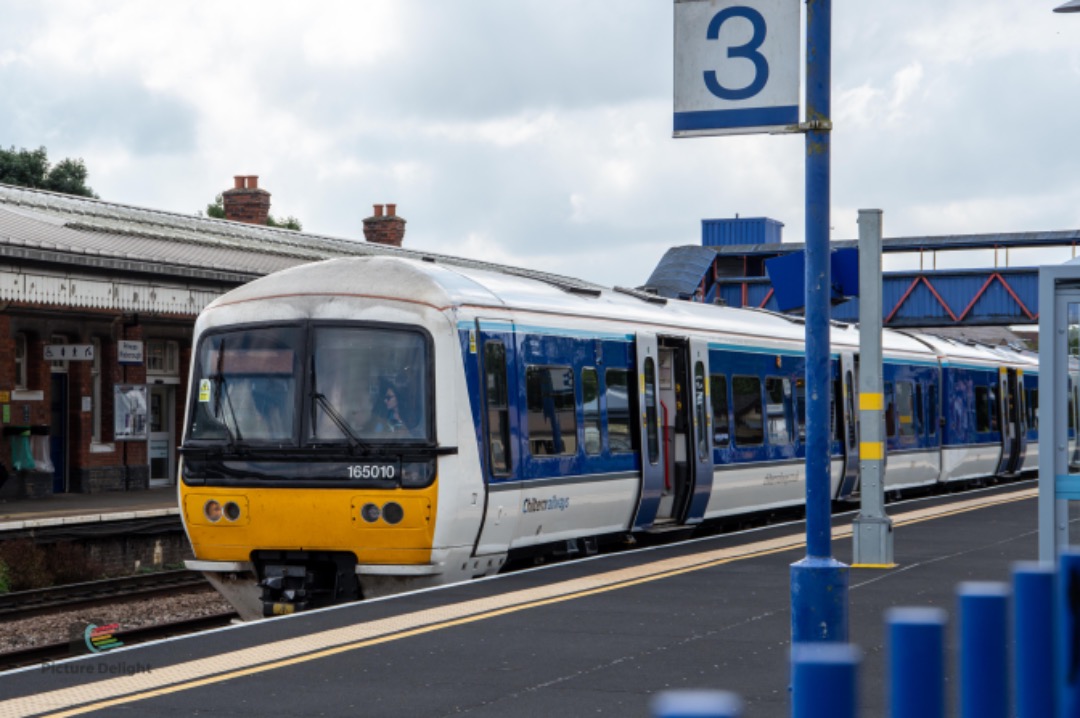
[{"x": 538, "y": 132}]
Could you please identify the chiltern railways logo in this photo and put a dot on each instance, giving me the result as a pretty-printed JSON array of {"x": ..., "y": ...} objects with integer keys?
[{"x": 100, "y": 638}]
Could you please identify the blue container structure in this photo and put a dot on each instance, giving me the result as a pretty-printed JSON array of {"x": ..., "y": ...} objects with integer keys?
[{"x": 740, "y": 231}]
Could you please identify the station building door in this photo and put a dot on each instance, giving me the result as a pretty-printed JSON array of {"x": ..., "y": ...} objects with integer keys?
[{"x": 162, "y": 436}]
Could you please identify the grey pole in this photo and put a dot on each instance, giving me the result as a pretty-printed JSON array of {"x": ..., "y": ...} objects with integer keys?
[{"x": 873, "y": 528}]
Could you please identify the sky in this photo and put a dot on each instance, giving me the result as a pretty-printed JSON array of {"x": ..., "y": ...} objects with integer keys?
[{"x": 538, "y": 133}]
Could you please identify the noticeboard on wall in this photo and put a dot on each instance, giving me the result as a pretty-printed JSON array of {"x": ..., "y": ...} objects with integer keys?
[{"x": 131, "y": 412}]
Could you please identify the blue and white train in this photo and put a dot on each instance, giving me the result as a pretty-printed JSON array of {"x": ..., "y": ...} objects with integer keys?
[{"x": 369, "y": 425}]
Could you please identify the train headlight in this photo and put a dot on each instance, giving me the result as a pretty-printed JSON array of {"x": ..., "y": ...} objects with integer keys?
[
  {"x": 416, "y": 474},
  {"x": 212, "y": 511},
  {"x": 370, "y": 513},
  {"x": 232, "y": 511},
  {"x": 392, "y": 513}
]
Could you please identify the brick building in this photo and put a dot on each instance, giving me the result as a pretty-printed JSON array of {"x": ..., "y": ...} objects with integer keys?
[{"x": 97, "y": 305}]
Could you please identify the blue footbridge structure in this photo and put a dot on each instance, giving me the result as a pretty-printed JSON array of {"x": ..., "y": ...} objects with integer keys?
[{"x": 932, "y": 281}]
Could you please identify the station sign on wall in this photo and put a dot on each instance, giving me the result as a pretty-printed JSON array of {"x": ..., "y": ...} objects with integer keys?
[
  {"x": 69, "y": 352},
  {"x": 737, "y": 67},
  {"x": 129, "y": 352}
]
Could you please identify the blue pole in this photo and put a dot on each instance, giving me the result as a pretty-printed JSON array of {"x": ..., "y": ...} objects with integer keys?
[
  {"x": 1033, "y": 639},
  {"x": 824, "y": 680},
  {"x": 697, "y": 704},
  {"x": 984, "y": 676},
  {"x": 819, "y": 583},
  {"x": 1067, "y": 630},
  {"x": 916, "y": 662}
]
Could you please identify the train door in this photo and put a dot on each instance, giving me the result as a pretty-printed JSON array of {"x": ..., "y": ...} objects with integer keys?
[
  {"x": 493, "y": 344},
  {"x": 1012, "y": 429},
  {"x": 647, "y": 365},
  {"x": 848, "y": 419},
  {"x": 701, "y": 436}
]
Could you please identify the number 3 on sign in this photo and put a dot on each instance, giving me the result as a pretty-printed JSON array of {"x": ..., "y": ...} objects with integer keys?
[
  {"x": 749, "y": 51},
  {"x": 736, "y": 66}
]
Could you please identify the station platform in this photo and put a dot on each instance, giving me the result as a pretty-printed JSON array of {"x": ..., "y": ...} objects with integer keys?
[
  {"x": 68, "y": 509},
  {"x": 599, "y": 636}
]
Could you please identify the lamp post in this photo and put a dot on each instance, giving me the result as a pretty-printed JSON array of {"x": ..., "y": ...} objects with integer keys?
[{"x": 1071, "y": 6}]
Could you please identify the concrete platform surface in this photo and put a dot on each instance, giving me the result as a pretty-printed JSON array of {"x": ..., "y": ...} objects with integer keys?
[
  {"x": 69, "y": 508},
  {"x": 594, "y": 637}
]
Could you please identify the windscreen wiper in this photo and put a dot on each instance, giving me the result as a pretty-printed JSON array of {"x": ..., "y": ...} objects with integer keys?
[
  {"x": 222, "y": 389},
  {"x": 331, "y": 411}
]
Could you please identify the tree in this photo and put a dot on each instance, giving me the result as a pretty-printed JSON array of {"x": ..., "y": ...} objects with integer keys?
[
  {"x": 30, "y": 168},
  {"x": 216, "y": 210}
]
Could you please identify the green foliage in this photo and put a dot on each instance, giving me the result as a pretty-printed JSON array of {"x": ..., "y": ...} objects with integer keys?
[
  {"x": 5, "y": 585},
  {"x": 216, "y": 210},
  {"x": 287, "y": 223},
  {"x": 30, "y": 168}
]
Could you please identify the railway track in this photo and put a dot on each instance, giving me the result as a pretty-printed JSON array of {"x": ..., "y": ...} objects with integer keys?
[
  {"x": 67, "y": 649},
  {"x": 26, "y": 604}
]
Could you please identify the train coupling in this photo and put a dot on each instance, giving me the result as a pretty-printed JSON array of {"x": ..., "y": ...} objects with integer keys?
[{"x": 285, "y": 589}]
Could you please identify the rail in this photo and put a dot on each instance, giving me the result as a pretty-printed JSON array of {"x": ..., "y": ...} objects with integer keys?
[{"x": 25, "y": 604}]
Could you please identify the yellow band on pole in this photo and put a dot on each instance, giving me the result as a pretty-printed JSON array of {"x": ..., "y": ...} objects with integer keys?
[
  {"x": 872, "y": 450},
  {"x": 871, "y": 402}
]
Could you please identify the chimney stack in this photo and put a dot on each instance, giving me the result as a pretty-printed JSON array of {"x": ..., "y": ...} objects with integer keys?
[
  {"x": 385, "y": 228},
  {"x": 245, "y": 202}
]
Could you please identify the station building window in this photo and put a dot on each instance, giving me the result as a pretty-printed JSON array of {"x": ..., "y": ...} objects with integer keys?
[
  {"x": 20, "y": 361},
  {"x": 162, "y": 357}
]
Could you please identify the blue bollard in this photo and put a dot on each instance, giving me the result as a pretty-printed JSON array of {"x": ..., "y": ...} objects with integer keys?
[
  {"x": 824, "y": 680},
  {"x": 916, "y": 662},
  {"x": 1033, "y": 639},
  {"x": 696, "y": 704},
  {"x": 1067, "y": 630},
  {"x": 984, "y": 677}
]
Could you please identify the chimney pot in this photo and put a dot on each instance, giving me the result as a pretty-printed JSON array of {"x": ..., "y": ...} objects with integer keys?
[
  {"x": 378, "y": 210},
  {"x": 246, "y": 202},
  {"x": 391, "y": 210},
  {"x": 388, "y": 229},
  {"x": 238, "y": 182},
  {"x": 253, "y": 182}
]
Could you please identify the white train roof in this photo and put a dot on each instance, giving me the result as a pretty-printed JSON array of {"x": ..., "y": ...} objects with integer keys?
[{"x": 476, "y": 289}]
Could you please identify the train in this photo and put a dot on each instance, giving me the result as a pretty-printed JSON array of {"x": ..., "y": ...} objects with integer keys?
[{"x": 369, "y": 425}]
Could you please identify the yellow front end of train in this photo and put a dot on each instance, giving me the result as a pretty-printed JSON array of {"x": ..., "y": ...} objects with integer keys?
[{"x": 379, "y": 527}]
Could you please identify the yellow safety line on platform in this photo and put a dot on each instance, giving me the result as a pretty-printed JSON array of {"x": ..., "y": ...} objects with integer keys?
[{"x": 78, "y": 700}]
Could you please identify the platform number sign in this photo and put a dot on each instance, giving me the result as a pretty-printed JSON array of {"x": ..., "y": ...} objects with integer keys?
[{"x": 736, "y": 66}]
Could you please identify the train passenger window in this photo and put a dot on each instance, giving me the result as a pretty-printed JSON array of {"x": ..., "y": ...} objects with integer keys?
[
  {"x": 749, "y": 417},
  {"x": 498, "y": 410},
  {"x": 617, "y": 392},
  {"x": 800, "y": 408},
  {"x": 719, "y": 398},
  {"x": 777, "y": 391},
  {"x": 651, "y": 425},
  {"x": 1033, "y": 408},
  {"x": 932, "y": 413},
  {"x": 920, "y": 425},
  {"x": 552, "y": 410},
  {"x": 590, "y": 406},
  {"x": 890, "y": 410},
  {"x": 836, "y": 423},
  {"x": 983, "y": 408},
  {"x": 905, "y": 410},
  {"x": 701, "y": 416}
]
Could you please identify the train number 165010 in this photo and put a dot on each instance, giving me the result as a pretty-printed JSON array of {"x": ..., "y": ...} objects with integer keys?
[{"x": 386, "y": 471}]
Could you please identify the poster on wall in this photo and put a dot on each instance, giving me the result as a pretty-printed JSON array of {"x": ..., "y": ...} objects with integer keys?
[{"x": 130, "y": 422}]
